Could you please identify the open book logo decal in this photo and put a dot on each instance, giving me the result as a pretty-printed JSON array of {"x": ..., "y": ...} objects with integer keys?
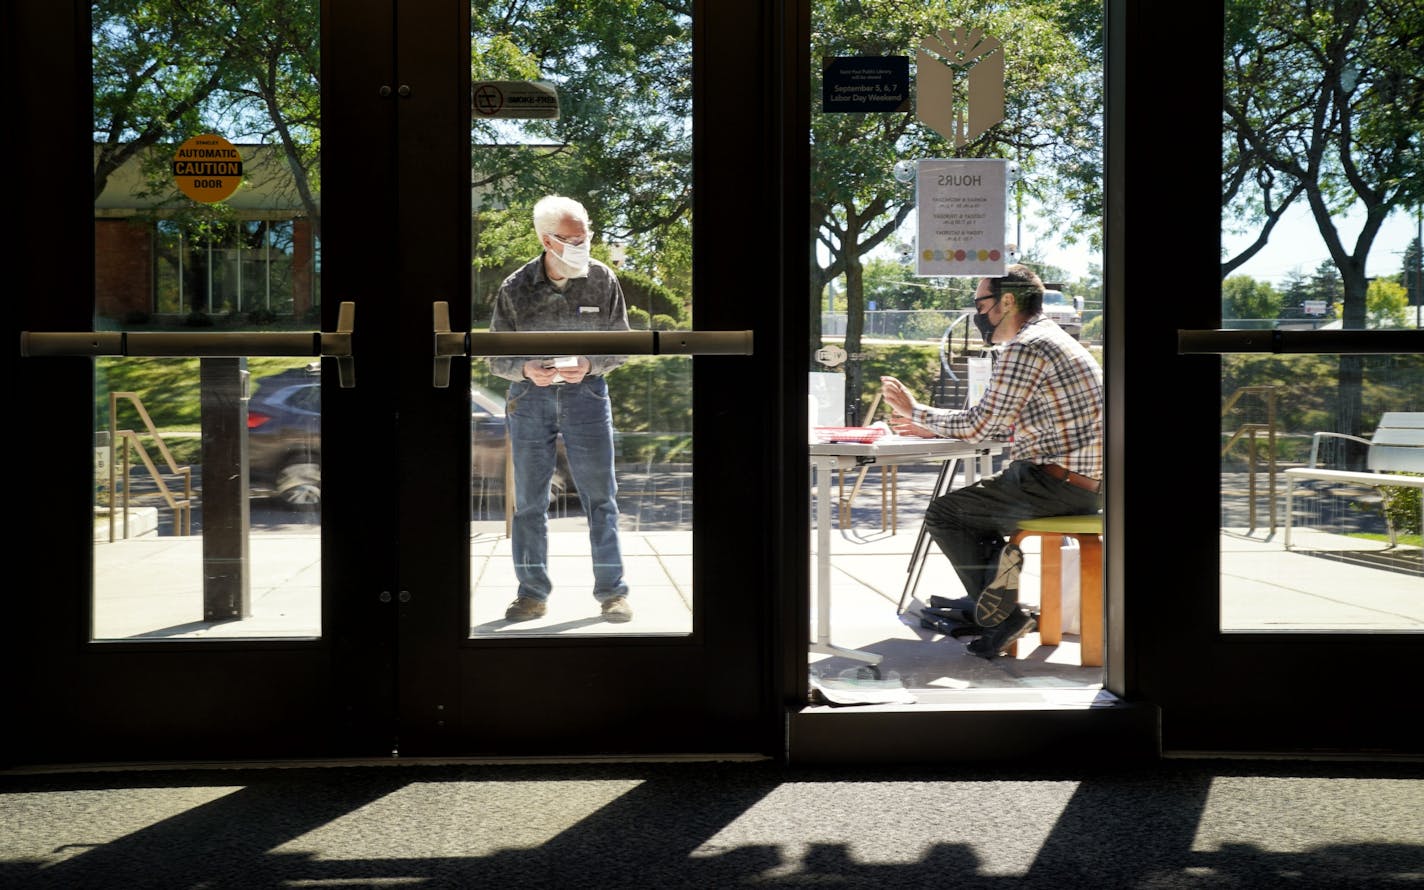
[{"x": 975, "y": 64}]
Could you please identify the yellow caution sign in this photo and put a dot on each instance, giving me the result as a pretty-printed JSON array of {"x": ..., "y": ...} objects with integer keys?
[{"x": 207, "y": 168}]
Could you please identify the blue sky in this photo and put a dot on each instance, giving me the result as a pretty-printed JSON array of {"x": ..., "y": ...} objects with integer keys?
[{"x": 1295, "y": 243}]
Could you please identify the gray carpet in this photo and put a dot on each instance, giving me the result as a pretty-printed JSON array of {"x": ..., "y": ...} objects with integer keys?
[{"x": 1197, "y": 824}]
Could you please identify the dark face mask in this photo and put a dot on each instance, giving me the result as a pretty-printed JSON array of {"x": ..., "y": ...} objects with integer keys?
[{"x": 985, "y": 326}]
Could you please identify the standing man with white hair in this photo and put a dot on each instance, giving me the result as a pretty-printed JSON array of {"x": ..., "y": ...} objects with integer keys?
[{"x": 562, "y": 289}]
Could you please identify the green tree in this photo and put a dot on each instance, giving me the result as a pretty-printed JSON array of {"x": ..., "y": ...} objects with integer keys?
[
  {"x": 890, "y": 284},
  {"x": 1325, "y": 285},
  {"x": 1388, "y": 304},
  {"x": 156, "y": 67},
  {"x": 1244, "y": 297},
  {"x": 1324, "y": 100},
  {"x": 1053, "y": 60},
  {"x": 168, "y": 69},
  {"x": 276, "y": 89},
  {"x": 165, "y": 70},
  {"x": 1411, "y": 275},
  {"x": 622, "y": 142},
  {"x": 1295, "y": 289}
]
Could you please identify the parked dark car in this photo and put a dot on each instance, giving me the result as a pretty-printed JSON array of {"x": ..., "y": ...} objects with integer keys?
[{"x": 284, "y": 439}]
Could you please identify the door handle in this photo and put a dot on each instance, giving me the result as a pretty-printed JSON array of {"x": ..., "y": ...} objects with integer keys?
[
  {"x": 174, "y": 344},
  {"x": 1351, "y": 342},
  {"x": 452, "y": 343}
]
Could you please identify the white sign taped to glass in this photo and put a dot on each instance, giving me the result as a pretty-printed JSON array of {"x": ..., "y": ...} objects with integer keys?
[{"x": 963, "y": 214}]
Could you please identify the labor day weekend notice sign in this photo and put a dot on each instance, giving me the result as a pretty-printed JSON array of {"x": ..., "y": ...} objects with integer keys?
[{"x": 963, "y": 209}]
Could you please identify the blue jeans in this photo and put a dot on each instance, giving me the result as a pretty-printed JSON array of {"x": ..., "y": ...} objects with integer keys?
[
  {"x": 971, "y": 524},
  {"x": 537, "y": 417}
]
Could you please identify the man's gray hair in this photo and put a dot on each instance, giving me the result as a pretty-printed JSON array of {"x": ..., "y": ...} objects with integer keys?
[{"x": 554, "y": 209}]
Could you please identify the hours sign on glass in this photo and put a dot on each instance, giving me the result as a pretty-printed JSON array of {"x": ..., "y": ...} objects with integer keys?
[{"x": 963, "y": 209}]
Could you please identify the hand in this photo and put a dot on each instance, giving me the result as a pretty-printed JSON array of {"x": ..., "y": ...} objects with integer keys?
[
  {"x": 902, "y": 426},
  {"x": 538, "y": 374},
  {"x": 577, "y": 372},
  {"x": 897, "y": 396}
]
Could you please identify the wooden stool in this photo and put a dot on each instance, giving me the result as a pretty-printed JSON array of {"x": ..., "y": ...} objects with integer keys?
[{"x": 1053, "y": 531}]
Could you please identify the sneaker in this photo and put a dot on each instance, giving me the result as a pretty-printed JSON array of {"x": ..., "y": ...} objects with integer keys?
[
  {"x": 998, "y": 641},
  {"x": 998, "y": 599},
  {"x": 617, "y": 610},
  {"x": 526, "y": 608}
]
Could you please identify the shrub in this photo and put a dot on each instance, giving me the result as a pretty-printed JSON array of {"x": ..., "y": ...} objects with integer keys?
[
  {"x": 1403, "y": 508},
  {"x": 1093, "y": 329},
  {"x": 664, "y": 323},
  {"x": 924, "y": 324},
  {"x": 642, "y": 292},
  {"x": 639, "y": 320}
]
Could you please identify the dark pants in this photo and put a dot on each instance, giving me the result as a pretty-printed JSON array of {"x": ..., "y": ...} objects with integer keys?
[{"x": 971, "y": 525}]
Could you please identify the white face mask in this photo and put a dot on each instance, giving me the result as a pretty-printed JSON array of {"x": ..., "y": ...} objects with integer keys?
[{"x": 574, "y": 258}]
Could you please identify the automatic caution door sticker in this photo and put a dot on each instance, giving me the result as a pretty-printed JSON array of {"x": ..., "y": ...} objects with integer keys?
[{"x": 207, "y": 168}]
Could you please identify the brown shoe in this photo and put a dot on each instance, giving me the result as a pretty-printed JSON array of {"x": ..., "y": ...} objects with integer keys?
[
  {"x": 526, "y": 608},
  {"x": 617, "y": 610}
]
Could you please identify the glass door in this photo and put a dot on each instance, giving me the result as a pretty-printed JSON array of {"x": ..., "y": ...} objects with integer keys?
[
  {"x": 927, "y": 175},
  {"x": 175, "y": 325},
  {"x": 1283, "y": 558},
  {"x": 347, "y": 590},
  {"x": 573, "y": 419}
]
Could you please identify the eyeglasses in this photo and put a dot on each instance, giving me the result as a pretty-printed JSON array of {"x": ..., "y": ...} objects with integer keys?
[
  {"x": 978, "y": 300},
  {"x": 572, "y": 242}
]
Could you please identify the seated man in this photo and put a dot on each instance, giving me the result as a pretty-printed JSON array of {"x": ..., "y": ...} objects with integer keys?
[{"x": 1045, "y": 397}]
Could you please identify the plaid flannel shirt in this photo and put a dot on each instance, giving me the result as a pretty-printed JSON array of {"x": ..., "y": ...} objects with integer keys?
[{"x": 1045, "y": 397}]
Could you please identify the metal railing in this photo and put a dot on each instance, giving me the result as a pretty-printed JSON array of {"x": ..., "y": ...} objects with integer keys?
[
  {"x": 182, "y": 508},
  {"x": 1250, "y": 431}
]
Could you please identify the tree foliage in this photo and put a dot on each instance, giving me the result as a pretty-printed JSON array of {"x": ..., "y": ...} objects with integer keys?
[
  {"x": 622, "y": 143},
  {"x": 156, "y": 67},
  {"x": 166, "y": 70},
  {"x": 890, "y": 284},
  {"x": 1244, "y": 297},
  {"x": 1387, "y": 304},
  {"x": 1411, "y": 273},
  {"x": 1324, "y": 101}
]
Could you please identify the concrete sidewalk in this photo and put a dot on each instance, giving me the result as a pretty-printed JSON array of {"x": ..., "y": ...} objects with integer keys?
[{"x": 151, "y": 588}]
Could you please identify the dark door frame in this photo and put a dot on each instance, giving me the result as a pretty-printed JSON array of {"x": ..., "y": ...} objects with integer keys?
[{"x": 1249, "y": 693}]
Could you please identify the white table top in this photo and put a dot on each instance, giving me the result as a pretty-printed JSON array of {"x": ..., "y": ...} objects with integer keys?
[{"x": 904, "y": 446}]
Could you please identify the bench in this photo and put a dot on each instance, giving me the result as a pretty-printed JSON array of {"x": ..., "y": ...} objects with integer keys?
[{"x": 1397, "y": 447}]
